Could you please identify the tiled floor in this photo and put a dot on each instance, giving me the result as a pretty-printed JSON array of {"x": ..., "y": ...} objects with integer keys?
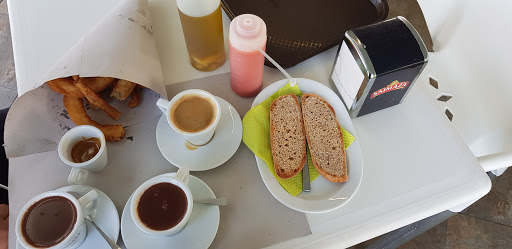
[{"x": 486, "y": 224}]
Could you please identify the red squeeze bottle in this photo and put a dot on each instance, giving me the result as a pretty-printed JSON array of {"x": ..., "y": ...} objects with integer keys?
[{"x": 247, "y": 34}]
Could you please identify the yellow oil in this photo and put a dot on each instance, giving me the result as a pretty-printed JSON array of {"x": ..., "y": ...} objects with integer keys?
[{"x": 205, "y": 40}]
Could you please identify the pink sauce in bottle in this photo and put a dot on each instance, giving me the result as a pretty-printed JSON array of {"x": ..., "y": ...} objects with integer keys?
[{"x": 247, "y": 34}]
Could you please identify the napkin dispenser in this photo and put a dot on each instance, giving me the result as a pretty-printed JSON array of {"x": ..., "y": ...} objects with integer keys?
[{"x": 377, "y": 65}]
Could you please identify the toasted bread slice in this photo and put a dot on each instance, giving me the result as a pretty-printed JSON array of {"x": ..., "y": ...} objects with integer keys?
[
  {"x": 324, "y": 137},
  {"x": 287, "y": 136}
]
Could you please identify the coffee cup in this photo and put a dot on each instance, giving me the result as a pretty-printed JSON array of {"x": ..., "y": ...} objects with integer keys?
[
  {"x": 54, "y": 220},
  {"x": 162, "y": 205},
  {"x": 82, "y": 138},
  {"x": 192, "y": 113}
]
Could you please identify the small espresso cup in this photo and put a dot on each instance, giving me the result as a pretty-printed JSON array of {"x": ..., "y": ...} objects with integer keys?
[
  {"x": 83, "y": 207},
  {"x": 201, "y": 137},
  {"x": 180, "y": 180},
  {"x": 80, "y": 171}
]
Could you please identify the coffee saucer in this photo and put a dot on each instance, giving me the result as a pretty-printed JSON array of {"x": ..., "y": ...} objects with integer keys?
[
  {"x": 199, "y": 231},
  {"x": 105, "y": 216},
  {"x": 221, "y": 148}
]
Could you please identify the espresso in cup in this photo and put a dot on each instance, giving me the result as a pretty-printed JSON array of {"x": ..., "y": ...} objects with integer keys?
[
  {"x": 85, "y": 149},
  {"x": 193, "y": 113},
  {"x": 162, "y": 206},
  {"x": 48, "y": 221}
]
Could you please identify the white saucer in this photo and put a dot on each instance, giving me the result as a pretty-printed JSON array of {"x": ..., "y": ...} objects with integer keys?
[
  {"x": 223, "y": 146},
  {"x": 199, "y": 232},
  {"x": 105, "y": 216}
]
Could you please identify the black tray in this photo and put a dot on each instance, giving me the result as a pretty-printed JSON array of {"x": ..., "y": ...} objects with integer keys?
[{"x": 300, "y": 29}]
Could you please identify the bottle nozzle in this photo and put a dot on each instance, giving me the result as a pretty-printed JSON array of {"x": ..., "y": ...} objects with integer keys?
[
  {"x": 247, "y": 21},
  {"x": 248, "y": 26}
]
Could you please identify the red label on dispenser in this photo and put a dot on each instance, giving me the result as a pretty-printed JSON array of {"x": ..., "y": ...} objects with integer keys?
[{"x": 395, "y": 85}]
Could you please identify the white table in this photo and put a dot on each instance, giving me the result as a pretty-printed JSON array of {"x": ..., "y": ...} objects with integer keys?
[{"x": 415, "y": 164}]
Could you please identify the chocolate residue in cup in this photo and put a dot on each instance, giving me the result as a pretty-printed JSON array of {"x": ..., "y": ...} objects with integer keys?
[{"x": 85, "y": 149}]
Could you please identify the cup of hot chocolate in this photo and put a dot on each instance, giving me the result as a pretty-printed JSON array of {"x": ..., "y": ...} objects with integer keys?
[
  {"x": 162, "y": 205},
  {"x": 54, "y": 220},
  {"x": 192, "y": 113},
  {"x": 84, "y": 148}
]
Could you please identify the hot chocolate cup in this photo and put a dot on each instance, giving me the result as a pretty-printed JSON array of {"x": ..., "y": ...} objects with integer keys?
[
  {"x": 83, "y": 207},
  {"x": 180, "y": 180}
]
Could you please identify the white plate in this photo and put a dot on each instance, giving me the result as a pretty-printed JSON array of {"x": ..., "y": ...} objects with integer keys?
[
  {"x": 325, "y": 196},
  {"x": 199, "y": 232},
  {"x": 223, "y": 146},
  {"x": 105, "y": 216}
]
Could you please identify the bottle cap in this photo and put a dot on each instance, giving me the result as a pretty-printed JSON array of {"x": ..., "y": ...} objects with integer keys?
[
  {"x": 197, "y": 8},
  {"x": 247, "y": 32},
  {"x": 248, "y": 26}
]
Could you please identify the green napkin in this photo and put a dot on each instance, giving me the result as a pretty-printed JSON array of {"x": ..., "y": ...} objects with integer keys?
[{"x": 256, "y": 135}]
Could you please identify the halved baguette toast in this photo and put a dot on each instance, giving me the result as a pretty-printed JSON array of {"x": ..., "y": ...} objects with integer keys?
[
  {"x": 324, "y": 137},
  {"x": 287, "y": 136}
]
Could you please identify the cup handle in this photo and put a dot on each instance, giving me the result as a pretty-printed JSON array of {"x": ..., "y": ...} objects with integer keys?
[
  {"x": 77, "y": 176},
  {"x": 183, "y": 175},
  {"x": 88, "y": 202},
  {"x": 162, "y": 104}
]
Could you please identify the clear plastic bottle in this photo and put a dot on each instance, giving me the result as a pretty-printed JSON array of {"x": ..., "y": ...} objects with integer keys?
[
  {"x": 247, "y": 34},
  {"x": 201, "y": 21}
]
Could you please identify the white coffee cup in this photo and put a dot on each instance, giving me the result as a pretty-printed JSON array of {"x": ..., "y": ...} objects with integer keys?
[
  {"x": 80, "y": 171},
  {"x": 84, "y": 207},
  {"x": 195, "y": 138},
  {"x": 181, "y": 180}
]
